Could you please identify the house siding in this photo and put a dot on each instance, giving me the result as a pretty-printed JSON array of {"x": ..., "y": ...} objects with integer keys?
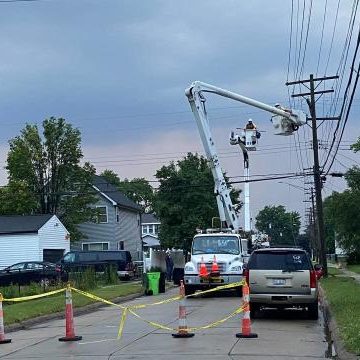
[
  {"x": 127, "y": 230},
  {"x": 53, "y": 235},
  {"x": 18, "y": 248}
]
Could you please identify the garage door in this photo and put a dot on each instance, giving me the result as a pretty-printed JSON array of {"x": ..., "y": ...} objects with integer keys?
[{"x": 53, "y": 255}]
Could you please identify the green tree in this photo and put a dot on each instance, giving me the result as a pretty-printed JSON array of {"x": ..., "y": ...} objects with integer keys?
[
  {"x": 282, "y": 226},
  {"x": 111, "y": 177},
  {"x": 137, "y": 189},
  {"x": 48, "y": 168},
  {"x": 17, "y": 199},
  {"x": 342, "y": 212},
  {"x": 185, "y": 200}
]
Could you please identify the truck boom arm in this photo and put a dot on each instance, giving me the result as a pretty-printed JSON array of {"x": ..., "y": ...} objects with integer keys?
[{"x": 227, "y": 210}]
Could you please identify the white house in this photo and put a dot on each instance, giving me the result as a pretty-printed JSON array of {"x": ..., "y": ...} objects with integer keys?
[
  {"x": 32, "y": 238},
  {"x": 150, "y": 225}
]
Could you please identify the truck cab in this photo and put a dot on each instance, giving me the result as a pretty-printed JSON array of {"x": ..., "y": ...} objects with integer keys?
[{"x": 224, "y": 249}]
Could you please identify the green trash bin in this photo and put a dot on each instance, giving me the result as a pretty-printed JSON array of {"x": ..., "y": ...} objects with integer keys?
[{"x": 153, "y": 282}]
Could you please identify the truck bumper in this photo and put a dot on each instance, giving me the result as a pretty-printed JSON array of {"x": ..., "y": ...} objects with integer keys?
[{"x": 195, "y": 280}]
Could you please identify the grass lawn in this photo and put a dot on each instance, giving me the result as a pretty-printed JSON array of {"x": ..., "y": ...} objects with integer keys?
[
  {"x": 343, "y": 295},
  {"x": 354, "y": 268},
  {"x": 333, "y": 271},
  {"x": 18, "y": 312}
]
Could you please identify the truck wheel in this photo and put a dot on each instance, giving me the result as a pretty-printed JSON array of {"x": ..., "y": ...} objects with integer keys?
[
  {"x": 238, "y": 291},
  {"x": 189, "y": 290},
  {"x": 313, "y": 311},
  {"x": 253, "y": 310}
]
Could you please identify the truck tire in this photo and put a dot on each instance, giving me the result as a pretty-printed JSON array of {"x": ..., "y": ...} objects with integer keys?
[
  {"x": 254, "y": 308},
  {"x": 189, "y": 289},
  {"x": 313, "y": 311},
  {"x": 238, "y": 291},
  {"x": 178, "y": 275}
]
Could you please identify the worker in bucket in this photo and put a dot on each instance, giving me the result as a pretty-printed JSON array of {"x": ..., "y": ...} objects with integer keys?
[
  {"x": 250, "y": 125},
  {"x": 169, "y": 265}
]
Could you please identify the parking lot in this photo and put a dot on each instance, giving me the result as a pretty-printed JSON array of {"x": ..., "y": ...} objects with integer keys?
[{"x": 281, "y": 335}]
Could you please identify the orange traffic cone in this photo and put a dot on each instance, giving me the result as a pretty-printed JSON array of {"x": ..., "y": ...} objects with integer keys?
[
  {"x": 182, "y": 329},
  {"x": 203, "y": 270},
  {"x": 246, "y": 323},
  {"x": 69, "y": 318},
  {"x": 215, "y": 268},
  {"x": 2, "y": 332}
]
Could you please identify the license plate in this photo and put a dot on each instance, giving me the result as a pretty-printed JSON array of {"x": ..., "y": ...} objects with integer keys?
[
  {"x": 215, "y": 280},
  {"x": 278, "y": 281}
]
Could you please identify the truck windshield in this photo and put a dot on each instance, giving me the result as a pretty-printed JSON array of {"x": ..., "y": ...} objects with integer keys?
[{"x": 215, "y": 245}]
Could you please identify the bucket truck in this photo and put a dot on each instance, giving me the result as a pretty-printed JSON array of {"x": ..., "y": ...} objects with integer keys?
[{"x": 218, "y": 255}]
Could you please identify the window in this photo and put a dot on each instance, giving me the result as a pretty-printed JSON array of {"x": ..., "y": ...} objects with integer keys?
[
  {"x": 17, "y": 267},
  {"x": 102, "y": 216},
  {"x": 281, "y": 260},
  {"x": 117, "y": 214},
  {"x": 85, "y": 257},
  {"x": 95, "y": 246},
  {"x": 144, "y": 229},
  {"x": 151, "y": 229},
  {"x": 156, "y": 230},
  {"x": 70, "y": 257},
  {"x": 121, "y": 245}
]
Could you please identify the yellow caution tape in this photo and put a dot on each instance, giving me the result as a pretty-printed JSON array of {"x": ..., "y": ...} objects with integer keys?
[
  {"x": 208, "y": 326},
  {"x": 218, "y": 322},
  {"x": 33, "y": 297},
  {"x": 218, "y": 288},
  {"x": 166, "y": 301},
  {"x": 175, "y": 298},
  {"x": 97, "y": 298},
  {"x": 153, "y": 323},
  {"x": 122, "y": 323}
]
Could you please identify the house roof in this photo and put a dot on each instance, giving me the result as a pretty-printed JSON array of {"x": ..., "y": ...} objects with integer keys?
[
  {"x": 150, "y": 241},
  {"x": 149, "y": 219},
  {"x": 17, "y": 224},
  {"x": 114, "y": 194}
]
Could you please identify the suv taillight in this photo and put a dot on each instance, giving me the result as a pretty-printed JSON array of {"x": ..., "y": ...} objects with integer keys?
[
  {"x": 313, "y": 279},
  {"x": 246, "y": 275}
]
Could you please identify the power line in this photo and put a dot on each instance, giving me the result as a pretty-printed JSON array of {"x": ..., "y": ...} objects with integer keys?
[
  {"x": 352, "y": 70},
  {"x": 14, "y": 1},
  {"x": 322, "y": 37}
]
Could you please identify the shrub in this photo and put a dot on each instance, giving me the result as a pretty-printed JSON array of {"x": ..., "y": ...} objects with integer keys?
[
  {"x": 110, "y": 275},
  {"x": 83, "y": 280}
]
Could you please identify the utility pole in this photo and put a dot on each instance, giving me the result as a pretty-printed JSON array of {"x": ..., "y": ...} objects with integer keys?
[
  {"x": 313, "y": 224},
  {"x": 310, "y": 99}
]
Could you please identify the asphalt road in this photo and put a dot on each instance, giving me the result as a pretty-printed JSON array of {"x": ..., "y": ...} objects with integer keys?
[{"x": 281, "y": 335}]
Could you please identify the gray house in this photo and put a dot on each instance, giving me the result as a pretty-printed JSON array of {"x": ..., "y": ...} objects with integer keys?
[{"x": 118, "y": 222}]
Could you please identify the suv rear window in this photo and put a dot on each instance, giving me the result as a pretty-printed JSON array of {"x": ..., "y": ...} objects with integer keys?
[{"x": 272, "y": 260}]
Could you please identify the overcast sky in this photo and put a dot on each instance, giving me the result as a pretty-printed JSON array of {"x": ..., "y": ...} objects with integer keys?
[{"x": 118, "y": 69}]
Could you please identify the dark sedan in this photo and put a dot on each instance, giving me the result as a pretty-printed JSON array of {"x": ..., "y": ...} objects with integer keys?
[{"x": 30, "y": 271}]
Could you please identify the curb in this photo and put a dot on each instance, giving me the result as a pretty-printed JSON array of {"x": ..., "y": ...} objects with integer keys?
[
  {"x": 333, "y": 329},
  {"x": 61, "y": 315}
]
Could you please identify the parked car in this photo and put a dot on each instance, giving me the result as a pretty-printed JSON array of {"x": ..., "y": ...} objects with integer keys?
[
  {"x": 98, "y": 260},
  {"x": 282, "y": 278},
  {"x": 31, "y": 271}
]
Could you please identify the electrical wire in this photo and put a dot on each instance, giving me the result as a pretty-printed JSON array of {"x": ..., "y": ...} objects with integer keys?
[{"x": 322, "y": 37}]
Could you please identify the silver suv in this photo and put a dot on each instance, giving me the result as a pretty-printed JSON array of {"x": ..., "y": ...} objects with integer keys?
[{"x": 282, "y": 278}]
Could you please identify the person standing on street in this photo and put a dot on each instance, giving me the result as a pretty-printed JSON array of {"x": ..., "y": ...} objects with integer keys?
[{"x": 169, "y": 265}]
